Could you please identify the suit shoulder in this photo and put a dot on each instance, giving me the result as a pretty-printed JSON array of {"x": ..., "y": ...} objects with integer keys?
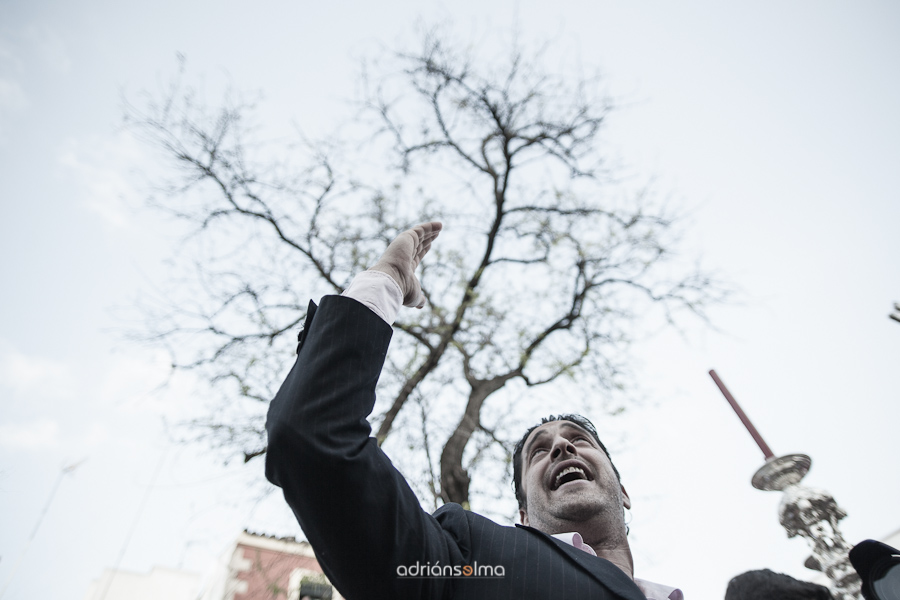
[{"x": 458, "y": 521}]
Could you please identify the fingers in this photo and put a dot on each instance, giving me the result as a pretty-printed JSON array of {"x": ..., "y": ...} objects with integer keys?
[
  {"x": 425, "y": 234},
  {"x": 421, "y": 251},
  {"x": 402, "y": 257},
  {"x": 430, "y": 227}
]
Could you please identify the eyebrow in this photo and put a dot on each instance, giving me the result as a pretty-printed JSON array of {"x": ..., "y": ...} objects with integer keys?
[{"x": 543, "y": 433}]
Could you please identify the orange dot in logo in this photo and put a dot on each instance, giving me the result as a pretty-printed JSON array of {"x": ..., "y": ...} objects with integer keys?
[{"x": 467, "y": 570}]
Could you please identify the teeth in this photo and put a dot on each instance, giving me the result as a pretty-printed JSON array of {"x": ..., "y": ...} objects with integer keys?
[{"x": 568, "y": 470}]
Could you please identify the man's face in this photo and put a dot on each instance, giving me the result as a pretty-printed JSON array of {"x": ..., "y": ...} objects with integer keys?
[{"x": 567, "y": 478}]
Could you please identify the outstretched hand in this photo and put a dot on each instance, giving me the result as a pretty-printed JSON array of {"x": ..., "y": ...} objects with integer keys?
[{"x": 402, "y": 257}]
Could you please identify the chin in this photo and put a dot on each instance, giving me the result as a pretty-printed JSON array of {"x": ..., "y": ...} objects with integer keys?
[{"x": 577, "y": 509}]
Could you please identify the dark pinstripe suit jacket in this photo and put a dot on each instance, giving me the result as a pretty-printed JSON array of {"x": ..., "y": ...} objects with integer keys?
[{"x": 359, "y": 513}]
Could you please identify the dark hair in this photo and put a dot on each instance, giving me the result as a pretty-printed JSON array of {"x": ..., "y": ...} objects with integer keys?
[
  {"x": 768, "y": 585},
  {"x": 578, "y": 420}
]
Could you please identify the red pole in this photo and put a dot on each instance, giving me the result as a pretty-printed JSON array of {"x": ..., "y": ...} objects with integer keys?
[{"x": 767, "y": 452}]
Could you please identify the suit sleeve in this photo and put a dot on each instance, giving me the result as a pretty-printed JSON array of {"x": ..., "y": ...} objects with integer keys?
[{"x": 355, "y": 508}]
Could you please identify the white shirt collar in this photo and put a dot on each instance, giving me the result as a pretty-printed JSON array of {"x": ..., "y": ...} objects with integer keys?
[{"x": 653, "y": 591}]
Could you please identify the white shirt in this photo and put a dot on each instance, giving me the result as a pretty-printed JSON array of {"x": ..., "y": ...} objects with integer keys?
[{"x": 379, "y": 292}]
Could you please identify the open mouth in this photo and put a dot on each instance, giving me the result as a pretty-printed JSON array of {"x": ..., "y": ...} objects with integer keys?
[{"x": 569, "y": 474}]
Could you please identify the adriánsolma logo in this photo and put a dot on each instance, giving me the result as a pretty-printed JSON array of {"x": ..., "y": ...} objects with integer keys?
[{"x": 439, "y": 571}]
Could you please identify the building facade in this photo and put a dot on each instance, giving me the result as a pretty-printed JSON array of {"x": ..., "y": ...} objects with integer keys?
[
  {"x": 254, "y": 567},
  {"x": 261, "y": 567}
]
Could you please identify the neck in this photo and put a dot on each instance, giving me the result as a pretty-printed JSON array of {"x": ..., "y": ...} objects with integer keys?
[
  {"x": 619, "y": 556},
  {"x": 609, "y": 540}
]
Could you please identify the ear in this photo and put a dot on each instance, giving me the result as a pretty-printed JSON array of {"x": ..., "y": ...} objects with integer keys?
[
  {"x": 626, "y": 501},
  {"x": 523, "y": 516}
]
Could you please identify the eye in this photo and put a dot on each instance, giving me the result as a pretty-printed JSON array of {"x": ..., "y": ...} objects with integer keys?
[{"x": 536, "y": 451}]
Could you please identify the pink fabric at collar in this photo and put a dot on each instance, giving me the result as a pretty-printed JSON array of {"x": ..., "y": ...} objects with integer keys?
[
  {"x": 653, "y": 591},
  {"x": 574, "y": 539}
]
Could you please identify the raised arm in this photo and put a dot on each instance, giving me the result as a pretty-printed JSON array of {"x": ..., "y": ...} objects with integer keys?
[{"x": 357, "y": 511}]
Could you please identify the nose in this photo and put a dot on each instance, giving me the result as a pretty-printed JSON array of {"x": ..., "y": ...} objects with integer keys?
[{"x": 561, "y": 446}]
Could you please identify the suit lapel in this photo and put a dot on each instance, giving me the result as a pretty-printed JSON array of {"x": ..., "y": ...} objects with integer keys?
[
  {"x": 310, "y": 313},
  {"x": 606, "y": 573}
]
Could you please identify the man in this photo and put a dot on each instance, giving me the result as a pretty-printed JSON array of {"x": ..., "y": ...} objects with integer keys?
[
  {"x": 369, "y": 532},
  {"x": 764, "y": 584}
]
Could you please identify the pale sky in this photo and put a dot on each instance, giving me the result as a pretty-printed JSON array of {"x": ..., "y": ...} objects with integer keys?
[{"x": 776, "y": 123}]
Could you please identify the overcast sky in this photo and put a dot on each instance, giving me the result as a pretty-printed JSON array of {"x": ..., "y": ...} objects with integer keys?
[{"x": 776, "y": 122}]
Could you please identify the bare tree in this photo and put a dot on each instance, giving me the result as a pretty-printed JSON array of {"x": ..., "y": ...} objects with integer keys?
[{"x": 545, "y": 263}]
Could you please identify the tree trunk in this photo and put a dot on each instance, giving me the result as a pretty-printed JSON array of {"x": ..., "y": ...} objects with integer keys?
[{"x": 454, "y": 477}]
